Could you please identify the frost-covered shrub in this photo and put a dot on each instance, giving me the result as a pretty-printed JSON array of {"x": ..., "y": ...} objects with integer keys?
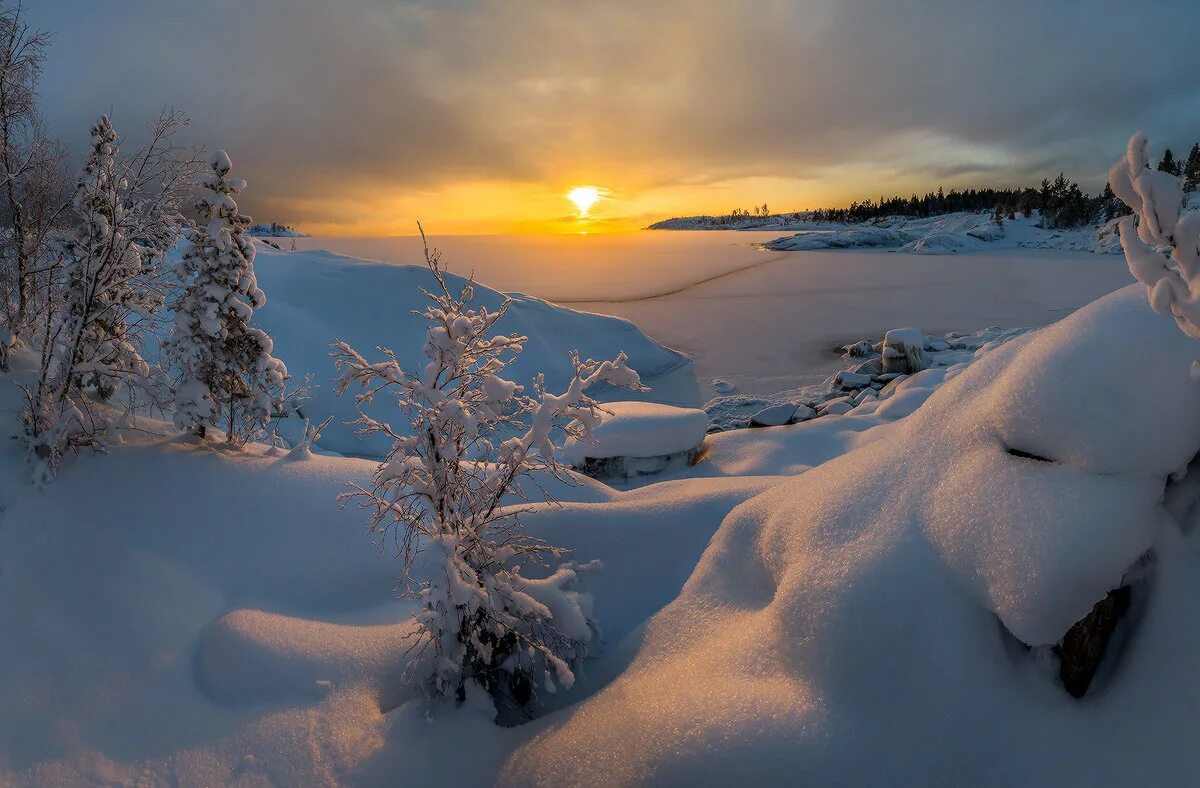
[
  {"x": 227, "y": 372},
  {"x": 473, "y": 436},
  {"x": 1159, "y": 225}
]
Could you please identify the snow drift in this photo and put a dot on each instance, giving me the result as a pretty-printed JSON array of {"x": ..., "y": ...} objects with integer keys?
[
  {"x": 316, "y": 297},
  {"x": 858, "y": 624}
]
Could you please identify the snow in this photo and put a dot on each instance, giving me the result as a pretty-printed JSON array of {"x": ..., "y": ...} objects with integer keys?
[
  {"x": 250, "y": 634},
  {"x": 843, "y": 624},
  {"x": 316, "y": 297},
  {"x": 641, "y": 429},
  {"x": 777, "y": 415},
  {"x": 759, "y": 321},
  {"x": 952, "y": 233},
  {"x": 857, "y": 384},
  {"x": 840, "y": 601}
]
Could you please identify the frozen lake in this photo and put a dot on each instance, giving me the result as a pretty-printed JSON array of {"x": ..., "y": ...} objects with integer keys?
[{"x": 765, "y": 321}]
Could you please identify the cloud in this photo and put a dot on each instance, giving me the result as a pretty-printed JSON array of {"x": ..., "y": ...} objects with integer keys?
[{"x": 321, "y": 100}]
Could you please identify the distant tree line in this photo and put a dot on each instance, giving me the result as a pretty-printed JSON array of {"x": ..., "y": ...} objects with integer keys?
[{"x": 1060, "y": 203}]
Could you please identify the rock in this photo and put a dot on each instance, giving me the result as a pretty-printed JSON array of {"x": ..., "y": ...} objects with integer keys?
[
  {"x": 774, "y": 415},
  {"x": 863, "y": 396},
  {"x": 623, "y": 468},
  {"x": 937, "y": 345},
  {"x": 903, "y": 351},
  {"x": 860, "y": 349},
  {"x": 804, "y": 413},
  {"x": 835, "y": 407},
  {"x": 723, "y": 386},
  {"x": 891, "y": 386},
  {"x": 1083, "y": 647},
  {"x": 851, "y": 380},
  {"x": 870, "y": 367}
]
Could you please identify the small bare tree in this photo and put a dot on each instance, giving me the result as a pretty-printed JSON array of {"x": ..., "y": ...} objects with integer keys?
[
  {"x": 473, "y": 437},
  {"x": 33, "y": 183},
  {"x": 107, "y": 291}
]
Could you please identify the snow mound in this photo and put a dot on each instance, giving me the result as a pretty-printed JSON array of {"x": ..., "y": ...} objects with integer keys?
[
  {"x": 640, "y": 429},
  {"x": 316, "y": 297},
  {"x": 862, "y": 607},
  {"x": 942, "y": 243},
  {"x": 220, "y": 621}
]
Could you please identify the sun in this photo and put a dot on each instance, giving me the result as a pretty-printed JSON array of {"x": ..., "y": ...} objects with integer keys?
[{"x": 584, "y": 198}]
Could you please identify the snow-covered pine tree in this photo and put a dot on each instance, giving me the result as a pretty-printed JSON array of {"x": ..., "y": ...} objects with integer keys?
[
  {"x": 1169, "y": 164},
  {"x": 472, "y": 438},
  {"x": 1191, "y": 170},
  {"x": 227, "y": 372},
  {"x": 106, "y": 294}
]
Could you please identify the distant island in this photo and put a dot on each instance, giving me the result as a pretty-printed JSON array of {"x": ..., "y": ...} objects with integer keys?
[
  {"x": 1059, "y": 203},
  {"x": 276, "y": 230}
]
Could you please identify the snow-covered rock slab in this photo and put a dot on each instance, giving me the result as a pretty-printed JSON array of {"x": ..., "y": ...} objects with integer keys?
[
  {"x": 950, "y": 233},
  {"x": 637, "y": 438}
]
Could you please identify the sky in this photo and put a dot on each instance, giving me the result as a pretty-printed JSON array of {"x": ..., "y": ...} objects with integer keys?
[{"x": 359, "y": 117}]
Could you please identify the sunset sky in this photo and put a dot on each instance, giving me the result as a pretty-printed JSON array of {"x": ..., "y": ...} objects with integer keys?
[{"x": 356, "y": 118}]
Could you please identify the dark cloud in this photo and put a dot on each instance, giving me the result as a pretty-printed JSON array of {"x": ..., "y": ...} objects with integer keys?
[{"x": 320, "y": 99}]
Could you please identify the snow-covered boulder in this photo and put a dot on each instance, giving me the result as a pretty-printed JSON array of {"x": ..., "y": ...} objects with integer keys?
[
  {"x": 637, "y": 438},
  {"x": 863, "y": 622},
  {"x": 903, "y": 351},
  {"x": 860, "y": 349},
  {"x": 774, "y": 415},
  {"x": 851, "y": 380}
]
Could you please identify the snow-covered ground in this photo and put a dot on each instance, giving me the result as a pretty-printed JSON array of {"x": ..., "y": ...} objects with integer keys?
[
  {"x": 867, "y": 597},
  {"x": 316, "y": 297},
  {"x": 767, "y": 321},
  {"x": 184, "y": 614}
]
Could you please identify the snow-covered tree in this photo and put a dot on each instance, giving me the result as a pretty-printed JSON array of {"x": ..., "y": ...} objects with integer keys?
[
  {"x": 227, "y": 372},
  {"x": 472, "y": 438},
  {"x": 1191, "y": 170},
  {"x": 106, "y": 292},
  {"x": 1169, "y": 164},
  {"x": 1161, "y": 242}
]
